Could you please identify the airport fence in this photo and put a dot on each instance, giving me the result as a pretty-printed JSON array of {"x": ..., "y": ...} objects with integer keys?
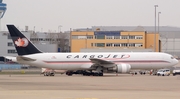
[{"x": 10, "y": 66}]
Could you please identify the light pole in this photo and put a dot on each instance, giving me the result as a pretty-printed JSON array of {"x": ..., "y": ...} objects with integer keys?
[
  {"x": 158, "y": 27},
  {"x": 155, "y": 30}
]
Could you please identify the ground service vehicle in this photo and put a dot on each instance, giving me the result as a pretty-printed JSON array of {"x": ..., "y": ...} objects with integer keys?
[
  {"x": 176, "y": 72},
  {"x": 163, "y": 72}
]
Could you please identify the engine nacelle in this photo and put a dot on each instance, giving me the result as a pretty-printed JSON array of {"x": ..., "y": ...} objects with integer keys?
[{"x": 121, "y": 68}]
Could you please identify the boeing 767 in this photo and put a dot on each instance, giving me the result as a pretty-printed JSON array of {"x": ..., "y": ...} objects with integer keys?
[{"x": 119, "y": 62}]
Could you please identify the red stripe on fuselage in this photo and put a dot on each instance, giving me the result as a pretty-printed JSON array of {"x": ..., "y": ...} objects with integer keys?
[{"x": 137, "y": 62}]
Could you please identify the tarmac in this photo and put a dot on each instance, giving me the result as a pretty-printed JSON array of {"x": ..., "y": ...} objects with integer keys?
[{"x": 110, "y": 86}]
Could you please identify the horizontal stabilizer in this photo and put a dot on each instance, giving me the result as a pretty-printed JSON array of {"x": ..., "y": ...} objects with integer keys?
[{"x": 10, "y": 58}]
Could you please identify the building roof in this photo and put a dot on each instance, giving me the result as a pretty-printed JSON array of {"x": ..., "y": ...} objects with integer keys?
[
  {"x": 136, "y": 28},
  {"x": 165, "y": 31}
]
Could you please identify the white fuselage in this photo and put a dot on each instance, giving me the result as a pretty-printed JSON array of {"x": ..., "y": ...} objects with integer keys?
[{"x": 80, "y": 61}]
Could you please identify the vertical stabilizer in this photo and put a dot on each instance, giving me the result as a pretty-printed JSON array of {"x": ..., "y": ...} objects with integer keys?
[{"x": 21, "y": 43}]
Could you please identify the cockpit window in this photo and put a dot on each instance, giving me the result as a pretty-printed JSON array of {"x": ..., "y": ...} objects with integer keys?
[{"x": 172, "y": 57}]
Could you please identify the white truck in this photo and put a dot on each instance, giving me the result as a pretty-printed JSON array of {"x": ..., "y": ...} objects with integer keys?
[{"x": 176, "y": 72}]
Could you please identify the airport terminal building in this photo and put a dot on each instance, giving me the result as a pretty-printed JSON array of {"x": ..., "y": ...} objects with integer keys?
[
  {"x": 113, "y": 40},
  {"x": 168, "y": 39}
]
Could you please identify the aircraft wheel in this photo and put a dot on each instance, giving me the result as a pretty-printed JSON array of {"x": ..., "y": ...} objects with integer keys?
[
  {"x": 69, "y": 73},
  {"x": 100, "y": 74},
  {"x": 44, "y": 74},
  {"x": 95, "y": 74},
  {"x": 48, "y": 74}
]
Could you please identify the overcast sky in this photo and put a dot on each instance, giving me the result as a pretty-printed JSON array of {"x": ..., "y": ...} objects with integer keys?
[{"x": 47, "y": 15}]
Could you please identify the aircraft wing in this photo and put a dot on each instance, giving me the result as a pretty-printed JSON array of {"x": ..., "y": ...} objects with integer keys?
[
  {"x": 100, "y": 61},
  {"x": 22, "y": 58}
]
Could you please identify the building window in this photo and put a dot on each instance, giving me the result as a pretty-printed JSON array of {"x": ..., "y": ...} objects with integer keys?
[
  {"x": 47, "y": 39},
  {"x": 74, "y": 37},
  {"x": 124, "y": 37},
  {"x": 40, "y": 39},
  {"x": 117, "y": 44},
  {"x": 109, "y": 44},
  {"x": 124, "y": 44},
  {"x": 89, "y": 37},
  {"x": 100, "y": 44},
  {"x": 32, "y": 39},
  {"x": 10, "y": 44},
  {"x": 100, "y": 37},
  {"x": 117, "y": 37},
  {"x": 138, "y": 45},
  {"x": 131, "y": 44},
  {"x": 139, "y": 37},
  {"x": 109, "y": 37},
  {"x": 58, "y": 39},
  {"x": 82, "y": 37},
  {"x": 131, "y": 37},
  {"x": 12, "y": 51}
]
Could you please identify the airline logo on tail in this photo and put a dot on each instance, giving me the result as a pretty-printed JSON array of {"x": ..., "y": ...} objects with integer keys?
[{"x": 21, "y": 42}]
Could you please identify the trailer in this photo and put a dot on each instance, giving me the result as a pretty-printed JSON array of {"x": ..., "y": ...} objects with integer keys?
[{"x": 51, "y": 72}]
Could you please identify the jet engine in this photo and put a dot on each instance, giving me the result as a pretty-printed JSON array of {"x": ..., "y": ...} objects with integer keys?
[{"x": 121, "y": 68}]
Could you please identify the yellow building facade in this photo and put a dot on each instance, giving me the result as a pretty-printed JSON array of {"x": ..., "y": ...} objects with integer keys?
[{"x": 113, "y": 40}]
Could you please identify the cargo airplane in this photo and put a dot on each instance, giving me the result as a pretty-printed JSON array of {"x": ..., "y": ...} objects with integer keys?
[{"x": 119, "y": 62}]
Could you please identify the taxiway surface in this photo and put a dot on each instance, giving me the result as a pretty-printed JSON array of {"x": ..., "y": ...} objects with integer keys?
[{"x": 123, "y": 86}]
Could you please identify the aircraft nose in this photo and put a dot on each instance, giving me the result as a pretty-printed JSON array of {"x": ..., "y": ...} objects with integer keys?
[{"x": 176, "y": 61}]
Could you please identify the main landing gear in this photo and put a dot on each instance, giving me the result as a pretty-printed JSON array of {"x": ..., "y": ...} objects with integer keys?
[
  {"x": 84, "y": 73},
  {"x": 97, "y": 72}
]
